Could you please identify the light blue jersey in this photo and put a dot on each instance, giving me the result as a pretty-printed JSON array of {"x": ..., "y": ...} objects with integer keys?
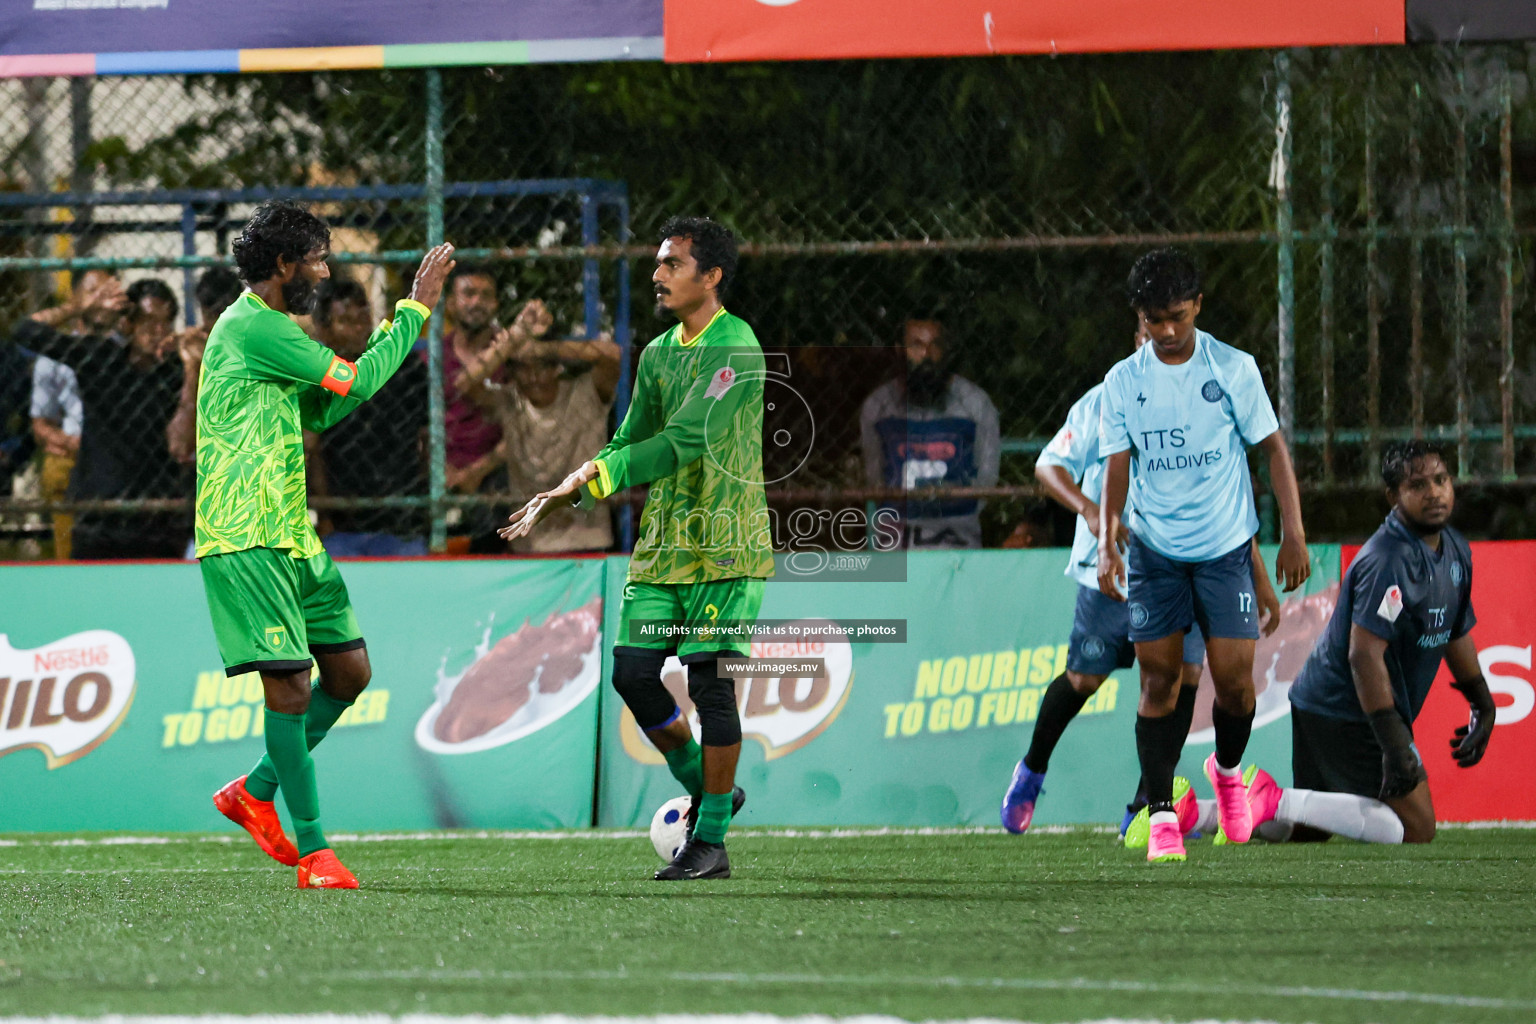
[
  {"x": 1075, "y": 448},
  {"x": 1187, "y": 428}
]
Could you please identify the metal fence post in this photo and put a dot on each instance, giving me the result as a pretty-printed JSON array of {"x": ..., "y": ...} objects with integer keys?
[
  {"x": 624, "y": 335},
  {"x": 437, "y": 435},
  {"x": 1415, "y": 268},
  {"x": 188, "y": 274},
  {"x": 591, "y": 269},
  {"x": 1325, "y": 292},
  {"x": 1459, "y": 250},
  {"x": 1281, "y": 175},
  {"x": 1506, "y": 279},
  {"x": 1372, "y": 288}
]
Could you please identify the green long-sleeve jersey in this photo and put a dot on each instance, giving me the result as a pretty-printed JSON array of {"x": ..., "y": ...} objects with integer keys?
[
  {"x": 694, "y": 432},
  {"x": 263, "y": 383}
]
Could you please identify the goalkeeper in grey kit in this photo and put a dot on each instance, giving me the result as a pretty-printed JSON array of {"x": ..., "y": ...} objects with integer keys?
[{"x": 1404, "y": 605}]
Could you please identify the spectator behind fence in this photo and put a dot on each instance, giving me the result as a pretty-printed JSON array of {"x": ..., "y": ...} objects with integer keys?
[
  {"x": 58, "y": 418},
  {"x": 16, "y": 442},
  {"x": 378, "y": 450},
  {"x": 473, "y": 462},
  {"x": 128, "y": 386},
  {"x": 553, "y": 413},
  {"x": 934, "y": 429},
  {"x": 216, "y": 291}
]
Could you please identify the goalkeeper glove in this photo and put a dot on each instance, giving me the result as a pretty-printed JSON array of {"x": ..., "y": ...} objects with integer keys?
[
  {"x": 1401, "y": 768},
  {"x": 1471, "y": 740}
]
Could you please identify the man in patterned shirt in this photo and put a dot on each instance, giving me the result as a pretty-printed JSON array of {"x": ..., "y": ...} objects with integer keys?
[
  {"x": 273, "y": 593},
  {"x": 694, "y": 432}
]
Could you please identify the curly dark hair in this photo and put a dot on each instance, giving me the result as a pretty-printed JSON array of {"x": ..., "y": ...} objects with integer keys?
[
  {"x": 1161, "y": 279},
  {"x": 336, "y": 289},
  {"x": 1398, "y": 457},
  {"x": 713, "y": 246},
  {"x": 151, "y": 287},
  {"x": 277, "y": 229},
  {"x": 216, "y": 288}
]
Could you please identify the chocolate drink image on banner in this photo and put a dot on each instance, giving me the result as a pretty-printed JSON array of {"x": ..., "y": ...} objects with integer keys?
[
  {"x": 522, "y": 683},
  {"x": 516, "y": 693}
]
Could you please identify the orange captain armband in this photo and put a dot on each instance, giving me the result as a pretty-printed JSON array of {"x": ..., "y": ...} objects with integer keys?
[{"x": 339, "y": 376}]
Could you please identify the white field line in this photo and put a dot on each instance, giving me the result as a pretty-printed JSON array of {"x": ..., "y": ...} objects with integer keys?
[
  {"x": 746, "y": 1018},
  {"x": 798, "y": 980},
  {"x": 951, "y": 981},
  {"x": 745, "y": 833}
]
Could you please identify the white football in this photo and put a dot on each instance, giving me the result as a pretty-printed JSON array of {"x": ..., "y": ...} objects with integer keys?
[{"x": 669, "y": 827}]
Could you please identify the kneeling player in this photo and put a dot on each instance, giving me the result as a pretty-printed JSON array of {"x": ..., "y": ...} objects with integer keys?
[{"x": 1405, "y": 603}]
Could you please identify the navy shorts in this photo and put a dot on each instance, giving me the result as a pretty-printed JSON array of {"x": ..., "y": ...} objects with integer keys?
[
  {"x": 1101, "y": 640},
  {"x": 1334, "y": 755},
  {"x": 1168, "y": 596}
]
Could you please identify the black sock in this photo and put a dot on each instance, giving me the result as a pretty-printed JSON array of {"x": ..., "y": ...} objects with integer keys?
[
  {"x": 1184, "y": 714},
  {"x": 1231, "y": 736},
  {"x": 1158, "y": 745},
  {"x": 1058, "y": 707},
  {"x": 1184, "y": 711}
]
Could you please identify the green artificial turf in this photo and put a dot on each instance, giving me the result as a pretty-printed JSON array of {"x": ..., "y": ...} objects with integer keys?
[{"x": 1044, "y": 927}]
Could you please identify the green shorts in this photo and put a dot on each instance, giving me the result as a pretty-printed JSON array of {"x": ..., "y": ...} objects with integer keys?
[
  {"x": 270, "y": 610},
  {"x": 695, "y": 621}
]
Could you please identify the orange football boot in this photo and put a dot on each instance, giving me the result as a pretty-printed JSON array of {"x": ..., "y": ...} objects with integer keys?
[
  {"x": 259, "y": 818},
  {"x": 321, "y": 870}
]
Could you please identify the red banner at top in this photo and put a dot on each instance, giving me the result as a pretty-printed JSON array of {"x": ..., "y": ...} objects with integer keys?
[{"x": 717, "y": 30}]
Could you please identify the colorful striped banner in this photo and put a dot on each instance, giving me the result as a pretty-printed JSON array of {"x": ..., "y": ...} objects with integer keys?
[{"x": 327, "y": 58}]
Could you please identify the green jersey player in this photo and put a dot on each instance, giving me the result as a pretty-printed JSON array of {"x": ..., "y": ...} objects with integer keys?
[
  {"x": 694, "y": 433},
  {"x": 273, "y": 594}
]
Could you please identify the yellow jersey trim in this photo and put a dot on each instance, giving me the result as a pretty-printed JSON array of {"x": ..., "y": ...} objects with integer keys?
[
  {"x": 603, "y": 485},
  {"x": 696, "y": 337},
  {"x": 413, "y": 304}
]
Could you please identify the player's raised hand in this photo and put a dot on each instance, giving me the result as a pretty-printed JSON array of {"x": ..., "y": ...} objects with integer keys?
[
  {"x": 434, "y": 270},
  {"x": 1293, "y": 565},
  {"x": 1111, "y": 571}
]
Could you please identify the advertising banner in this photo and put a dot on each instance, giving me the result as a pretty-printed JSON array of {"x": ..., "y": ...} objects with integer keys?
[
  {"x": 115, "y": 712},
  {"x": 714, "y": 30},
  {"x": 1498, "y": 788},
  {"x": 927, "y": 732},
  {"x": 84, "y": 37}
]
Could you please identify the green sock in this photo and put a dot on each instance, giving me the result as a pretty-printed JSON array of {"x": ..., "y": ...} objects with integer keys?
[
  {"x": 714, "y": 817},
  {"x": 322, "y": 714},
  {"x": 296, "y": 776},
  {"x": 687, "y": 766}
]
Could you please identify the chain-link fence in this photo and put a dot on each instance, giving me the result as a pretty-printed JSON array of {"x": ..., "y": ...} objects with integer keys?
[{"x": 1361, "y": 217}]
